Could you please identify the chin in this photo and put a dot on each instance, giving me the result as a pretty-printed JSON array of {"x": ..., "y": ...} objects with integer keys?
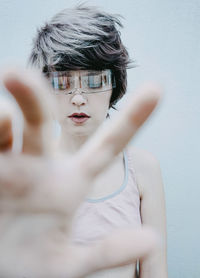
[
  {"x": 79, "y": 130},
  {"x": 83, "y": 130}
]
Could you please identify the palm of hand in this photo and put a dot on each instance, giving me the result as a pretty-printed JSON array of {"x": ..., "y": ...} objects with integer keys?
[{"x": 40, "y": 191}]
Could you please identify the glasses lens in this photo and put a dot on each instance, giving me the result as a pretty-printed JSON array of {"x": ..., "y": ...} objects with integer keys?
[
  {"x": 88, "y": 81},
  {"x": 61, "y": 81}
]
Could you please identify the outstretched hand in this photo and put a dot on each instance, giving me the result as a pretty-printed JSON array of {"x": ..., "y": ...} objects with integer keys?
[{"x": 41, "y": 188}]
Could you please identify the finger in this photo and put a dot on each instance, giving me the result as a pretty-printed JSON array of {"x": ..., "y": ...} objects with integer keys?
[
  {"x": 116, "y": 134},
  {"x": 124, "y": 247},
  {"x": 6, "y": 134},
  {"x": 107, "y": 142},
  {"x": 119, "y": 249},
  {"x": 30, "y": 92},
  {"x": 53, "y": 256}
]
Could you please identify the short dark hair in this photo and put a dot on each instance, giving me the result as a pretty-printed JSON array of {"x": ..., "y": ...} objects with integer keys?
[{"x": 83, "y": 38}]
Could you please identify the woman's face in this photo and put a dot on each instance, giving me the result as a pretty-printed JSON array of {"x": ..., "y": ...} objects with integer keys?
[{"x": 82, "y": 106}]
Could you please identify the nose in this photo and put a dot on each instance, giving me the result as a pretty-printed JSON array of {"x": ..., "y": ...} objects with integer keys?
[{"x": 78, "y": 99}]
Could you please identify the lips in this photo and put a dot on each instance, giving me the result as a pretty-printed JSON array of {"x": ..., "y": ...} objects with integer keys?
[{"x": 79, "y": 118}]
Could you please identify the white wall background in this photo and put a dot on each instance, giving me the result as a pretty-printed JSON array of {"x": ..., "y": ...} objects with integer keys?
[{"x": 164, "y": 38}]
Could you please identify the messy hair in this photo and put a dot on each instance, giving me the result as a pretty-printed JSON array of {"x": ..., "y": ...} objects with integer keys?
[{"x": 82, "y": 38}]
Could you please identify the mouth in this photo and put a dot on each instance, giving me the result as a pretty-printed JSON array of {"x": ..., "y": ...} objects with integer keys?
[{"x": 79, "y": 118}]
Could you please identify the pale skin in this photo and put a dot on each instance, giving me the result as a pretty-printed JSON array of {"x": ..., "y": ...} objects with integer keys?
[
  {"x": 149, "y": 180},
  {"x": 37, "y": 206},
  {"x": 147, "y": 170}
]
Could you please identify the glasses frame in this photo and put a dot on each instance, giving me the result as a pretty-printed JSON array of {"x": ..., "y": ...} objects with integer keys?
[{"x": 111, "y": 80}]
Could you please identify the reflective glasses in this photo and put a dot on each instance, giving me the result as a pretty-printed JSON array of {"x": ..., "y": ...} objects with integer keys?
[{"x": 86, "y": 81}]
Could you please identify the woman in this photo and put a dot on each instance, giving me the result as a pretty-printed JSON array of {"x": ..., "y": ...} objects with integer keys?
[{"x": 81, "y": 54}]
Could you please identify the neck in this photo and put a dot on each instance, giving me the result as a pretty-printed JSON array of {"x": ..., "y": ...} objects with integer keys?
[{"x": 71, "y": 143}]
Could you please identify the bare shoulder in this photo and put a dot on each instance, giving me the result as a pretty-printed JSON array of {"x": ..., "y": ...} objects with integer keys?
[
  {"x": 143, "y": 159},
  {"x": 147, "y": 170}
]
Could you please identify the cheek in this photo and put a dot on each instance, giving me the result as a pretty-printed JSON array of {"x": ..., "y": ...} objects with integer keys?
[
  {"x": 101, "y": 106},
  {"x": 63, "y": 106}
]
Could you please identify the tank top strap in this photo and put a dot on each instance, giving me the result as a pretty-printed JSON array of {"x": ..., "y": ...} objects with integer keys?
[
  {"x": 122, "y": 187},
  {"x": 131, "y": 169}
]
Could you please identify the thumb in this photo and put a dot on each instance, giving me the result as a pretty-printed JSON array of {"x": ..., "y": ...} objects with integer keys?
[{"x": 122, "y": 248}]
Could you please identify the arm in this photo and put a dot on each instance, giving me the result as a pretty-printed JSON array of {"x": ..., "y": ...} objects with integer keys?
[
  {"x": 39, "y": 192},
  {"x": 151, "y": 190}
]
